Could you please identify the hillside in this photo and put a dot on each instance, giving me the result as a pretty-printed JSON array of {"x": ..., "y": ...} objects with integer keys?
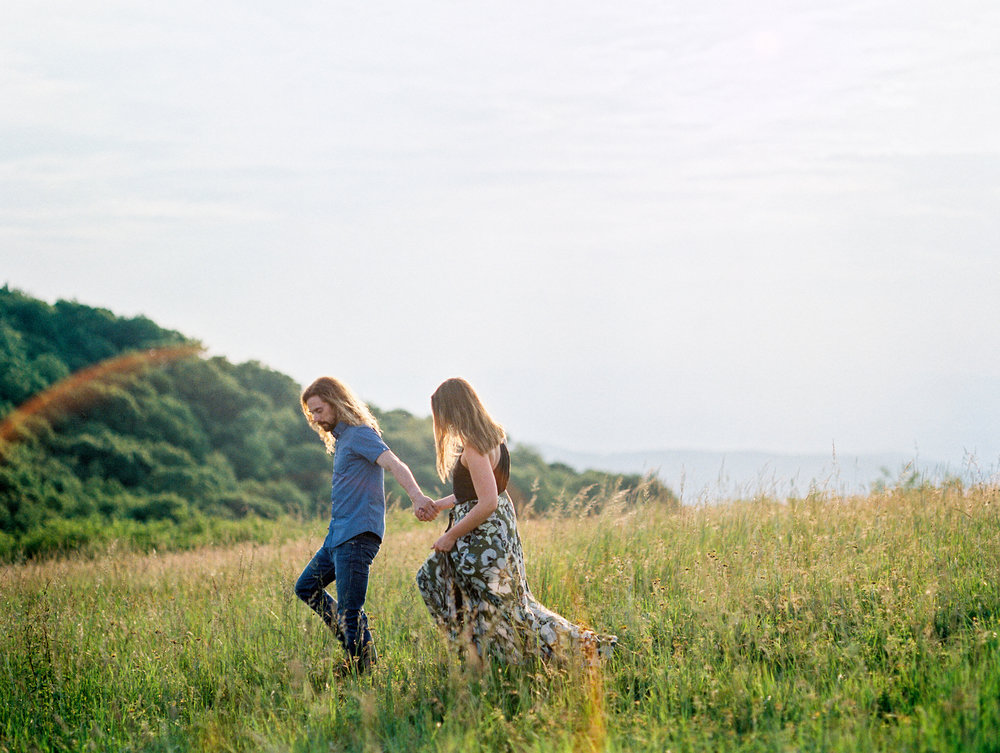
[
  {"x": 829, "y": 624},
  {"x": 117, "y": 428}
]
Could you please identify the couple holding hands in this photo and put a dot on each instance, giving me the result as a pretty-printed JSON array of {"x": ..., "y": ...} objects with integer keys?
[{"x": 474, "y": 582}]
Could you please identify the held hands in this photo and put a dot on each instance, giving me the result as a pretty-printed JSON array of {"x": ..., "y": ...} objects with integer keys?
[{"x": 424, "y": 509}]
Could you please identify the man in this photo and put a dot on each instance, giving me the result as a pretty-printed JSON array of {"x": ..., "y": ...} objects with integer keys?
[{"x": 357, "y": 521}]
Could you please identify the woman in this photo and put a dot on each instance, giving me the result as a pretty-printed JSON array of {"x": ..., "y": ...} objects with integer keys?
[{"x": 474, "y": 583}]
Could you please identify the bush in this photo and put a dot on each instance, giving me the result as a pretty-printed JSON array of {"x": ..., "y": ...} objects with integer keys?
[
  {"x": 62, "y": 536},
  {"x": 8, "y": 547},
  {"x": 161, "y": 507}
]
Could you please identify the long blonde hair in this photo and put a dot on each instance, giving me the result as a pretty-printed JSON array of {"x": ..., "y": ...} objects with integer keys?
[
  {"x": 347, "y": 407},
  {"x": 460, "y": 419}
]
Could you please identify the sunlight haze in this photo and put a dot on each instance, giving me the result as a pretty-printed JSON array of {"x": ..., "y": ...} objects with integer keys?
[{"x": 632, "y": 226}]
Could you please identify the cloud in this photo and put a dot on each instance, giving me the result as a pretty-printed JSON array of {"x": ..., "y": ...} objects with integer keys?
[{"x": 757, "y": 223}]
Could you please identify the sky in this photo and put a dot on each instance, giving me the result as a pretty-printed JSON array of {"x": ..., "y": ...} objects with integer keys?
[{"x": 767, "y": 226}]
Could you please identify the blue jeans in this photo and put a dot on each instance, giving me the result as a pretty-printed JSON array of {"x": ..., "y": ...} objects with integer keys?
[{"x": 347, "y": 564}]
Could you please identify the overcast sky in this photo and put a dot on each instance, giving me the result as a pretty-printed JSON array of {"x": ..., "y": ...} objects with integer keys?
[{"x": 631, "y": 225}]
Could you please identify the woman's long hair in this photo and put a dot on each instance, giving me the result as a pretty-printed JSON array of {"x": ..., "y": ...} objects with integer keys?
[
  {"x": 347, "y": 407},
  {"x": 460, "y": 419}
]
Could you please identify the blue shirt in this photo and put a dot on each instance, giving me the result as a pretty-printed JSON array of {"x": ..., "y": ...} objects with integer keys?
[{"x": 358, "y": 493}]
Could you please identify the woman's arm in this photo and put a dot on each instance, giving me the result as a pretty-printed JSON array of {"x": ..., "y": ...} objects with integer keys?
[
  {"x": 445, "y": 503},
  {"x": 487, "y": 495}
]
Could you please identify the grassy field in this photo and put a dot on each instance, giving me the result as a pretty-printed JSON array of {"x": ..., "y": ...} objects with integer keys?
[{"x": 823, "y": 624}]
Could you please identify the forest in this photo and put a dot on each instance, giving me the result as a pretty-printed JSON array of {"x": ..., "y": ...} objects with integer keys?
[{"x": 116, "y": 431}]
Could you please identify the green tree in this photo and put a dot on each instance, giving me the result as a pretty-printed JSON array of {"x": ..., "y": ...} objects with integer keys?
[{"x": 170, "y": 446}]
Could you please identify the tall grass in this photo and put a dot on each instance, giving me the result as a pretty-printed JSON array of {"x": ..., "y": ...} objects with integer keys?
[{"x": 822, "y": 623}]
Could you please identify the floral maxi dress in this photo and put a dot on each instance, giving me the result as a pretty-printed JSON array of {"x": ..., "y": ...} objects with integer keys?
[{"x": 478, "y": 592}]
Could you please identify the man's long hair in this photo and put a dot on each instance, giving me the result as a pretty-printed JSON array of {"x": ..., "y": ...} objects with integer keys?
[
  {"x": 461, "y": 419},
  {"x": 347, "y": 407}
]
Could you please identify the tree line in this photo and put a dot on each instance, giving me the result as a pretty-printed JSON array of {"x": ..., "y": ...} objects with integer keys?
[{"x": 105, "y": 436}]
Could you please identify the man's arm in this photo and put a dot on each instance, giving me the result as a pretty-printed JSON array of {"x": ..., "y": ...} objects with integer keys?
[{"x": 402, "y": 473}]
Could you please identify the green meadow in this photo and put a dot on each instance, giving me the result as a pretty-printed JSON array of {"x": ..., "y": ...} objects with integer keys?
[{"x": 817, "y": 624}]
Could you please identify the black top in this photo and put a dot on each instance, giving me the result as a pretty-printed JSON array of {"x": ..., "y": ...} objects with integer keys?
[{"x": 462, "y": 484}]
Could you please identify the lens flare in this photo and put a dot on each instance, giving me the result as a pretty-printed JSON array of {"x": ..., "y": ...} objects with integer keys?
[{"x": 69, "y": 393}]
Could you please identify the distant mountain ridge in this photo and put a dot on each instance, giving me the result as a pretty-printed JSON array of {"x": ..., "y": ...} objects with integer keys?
[{"x": 696, "y": 475}]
